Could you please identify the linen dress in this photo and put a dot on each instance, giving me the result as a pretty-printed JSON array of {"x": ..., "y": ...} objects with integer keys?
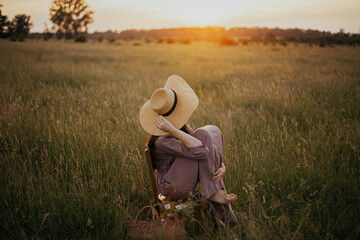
[{"x": 180, "y": 168}]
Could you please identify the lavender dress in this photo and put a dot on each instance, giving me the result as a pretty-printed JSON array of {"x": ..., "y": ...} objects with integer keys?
[{"x": 180, "y": 168}]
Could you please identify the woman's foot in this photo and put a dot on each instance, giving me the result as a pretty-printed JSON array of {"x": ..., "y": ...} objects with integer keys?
[{"x": 223, "y": 198}]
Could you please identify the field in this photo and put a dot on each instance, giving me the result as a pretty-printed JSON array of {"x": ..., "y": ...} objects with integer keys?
[{"x": 71, "y": 146}]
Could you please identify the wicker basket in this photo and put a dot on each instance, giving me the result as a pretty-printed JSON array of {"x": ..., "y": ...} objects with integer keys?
[{"x": 155, "y": 228}]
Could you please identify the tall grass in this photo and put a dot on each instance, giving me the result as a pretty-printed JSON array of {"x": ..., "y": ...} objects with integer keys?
[{"x": 71, "y": 147}]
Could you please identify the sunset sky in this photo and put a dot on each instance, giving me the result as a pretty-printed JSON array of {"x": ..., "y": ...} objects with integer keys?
[{"x": 328, "y": 15}]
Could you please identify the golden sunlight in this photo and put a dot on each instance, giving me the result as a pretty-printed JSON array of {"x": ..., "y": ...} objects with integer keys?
[
  {"x": 202, "y": 13},
  {"x": 129, "y": 14},
  {"x": 202, "y": 18}
]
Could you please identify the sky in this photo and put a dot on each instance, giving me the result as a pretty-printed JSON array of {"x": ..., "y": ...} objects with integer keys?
[{"x": 325, "y": 15}]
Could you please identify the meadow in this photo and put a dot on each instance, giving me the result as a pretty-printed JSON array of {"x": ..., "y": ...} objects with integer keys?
[{"x": 71, "y": 146}]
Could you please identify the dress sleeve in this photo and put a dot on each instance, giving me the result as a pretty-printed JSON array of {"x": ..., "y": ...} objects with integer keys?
[{"x": 170, "y": 145}]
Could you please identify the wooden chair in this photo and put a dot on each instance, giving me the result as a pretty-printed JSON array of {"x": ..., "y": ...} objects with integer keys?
[
  {"x": 200, "y": 206},
  {"x": 154, "y": 187}
]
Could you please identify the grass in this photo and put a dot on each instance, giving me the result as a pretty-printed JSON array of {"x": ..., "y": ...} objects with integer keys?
[{"x": 71, "y": 146}]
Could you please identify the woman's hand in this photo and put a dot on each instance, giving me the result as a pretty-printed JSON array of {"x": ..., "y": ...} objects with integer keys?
[
  {"x": 219, "y": 173},
  {"x": 164, "y": 124}
]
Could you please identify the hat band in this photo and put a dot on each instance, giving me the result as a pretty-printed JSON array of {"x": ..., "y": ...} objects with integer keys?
[{"x": 173, "y": 106}]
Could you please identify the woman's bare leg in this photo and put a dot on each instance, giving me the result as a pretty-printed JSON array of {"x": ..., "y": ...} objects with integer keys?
[
  {"x": 215, "y": 192},
  {"x": 223, "y": 198}
]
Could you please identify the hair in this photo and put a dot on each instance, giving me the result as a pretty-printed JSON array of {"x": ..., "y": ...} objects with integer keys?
[{"x": 152, "y": 138}]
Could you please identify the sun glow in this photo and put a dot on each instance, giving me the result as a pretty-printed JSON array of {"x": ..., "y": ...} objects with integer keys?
[
  {"x": 204, "y": 18},
  {"x": 200, "y": 13},
  {"x": 143, "y": 14}
]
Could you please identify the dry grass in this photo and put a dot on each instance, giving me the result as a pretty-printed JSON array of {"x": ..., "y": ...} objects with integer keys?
[{"x": 71, "y": 147}]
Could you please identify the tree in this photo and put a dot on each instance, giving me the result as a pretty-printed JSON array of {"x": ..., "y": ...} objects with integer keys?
[
  {"x": 4, "y": 25},
  {"x": 71, "y": 17},
  {"x": 20, "y": 26}
]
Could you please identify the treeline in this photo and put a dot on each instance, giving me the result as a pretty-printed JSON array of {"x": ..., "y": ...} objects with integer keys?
[
  {"x": 233, "y": 35},
  {"x": 70, "y": 19},
  {"x": 16, "y": 29},
  {"x": 209, "y": 33}
]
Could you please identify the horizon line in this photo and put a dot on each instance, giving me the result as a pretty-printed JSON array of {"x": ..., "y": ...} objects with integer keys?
[{"x": 215, "y": 26}]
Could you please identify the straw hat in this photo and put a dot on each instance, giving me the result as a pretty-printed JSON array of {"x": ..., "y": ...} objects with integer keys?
[{"x": 176, "y": 102}]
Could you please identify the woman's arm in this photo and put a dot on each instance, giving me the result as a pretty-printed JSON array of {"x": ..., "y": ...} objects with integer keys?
[{"x": 165, "y": 125}]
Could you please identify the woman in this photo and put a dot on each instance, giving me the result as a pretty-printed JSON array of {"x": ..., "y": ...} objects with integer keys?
[{"x": 183, "y": 157}]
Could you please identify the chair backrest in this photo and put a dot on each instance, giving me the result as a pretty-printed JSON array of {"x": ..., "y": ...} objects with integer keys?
[{"x": 154, "y": 187}]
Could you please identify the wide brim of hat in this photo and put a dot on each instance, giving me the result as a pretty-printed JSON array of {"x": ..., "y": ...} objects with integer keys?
[{"x": 186, "y": 104}]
